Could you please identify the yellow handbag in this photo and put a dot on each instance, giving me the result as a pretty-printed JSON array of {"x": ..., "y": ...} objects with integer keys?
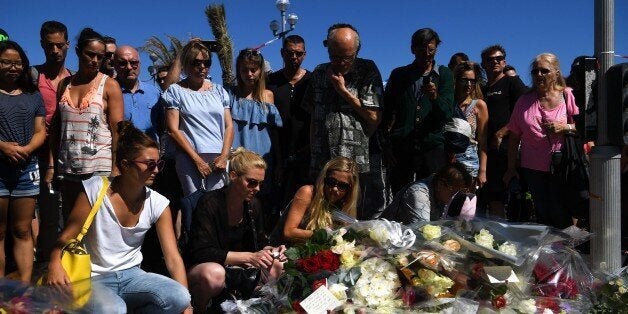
[{"x": 75, "y": 259}]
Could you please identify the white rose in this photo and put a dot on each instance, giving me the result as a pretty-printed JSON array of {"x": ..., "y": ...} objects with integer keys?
[
  {"x": 484, "y": 238},
  {"x": 379, "y": 234},
  {"x": 527, "y": 306},
  {"x": 508, "y": 248},
  {"x": 339, "y": 291}
]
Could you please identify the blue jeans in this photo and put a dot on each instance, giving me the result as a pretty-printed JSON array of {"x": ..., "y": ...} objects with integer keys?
[{"x": 134, "y": 290}]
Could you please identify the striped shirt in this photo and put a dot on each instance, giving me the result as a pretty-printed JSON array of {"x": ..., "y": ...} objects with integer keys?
[{"x": 85, "y": 145}]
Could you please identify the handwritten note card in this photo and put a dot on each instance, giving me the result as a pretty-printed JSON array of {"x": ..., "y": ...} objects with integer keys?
[{"x": 320, "y": 301}]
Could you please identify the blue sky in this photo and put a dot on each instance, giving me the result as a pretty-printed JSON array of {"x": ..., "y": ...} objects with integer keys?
[{"x": 524, "y": 28}]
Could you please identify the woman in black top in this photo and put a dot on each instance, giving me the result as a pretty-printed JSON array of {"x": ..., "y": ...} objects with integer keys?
[{"x": 227, "y": 239}]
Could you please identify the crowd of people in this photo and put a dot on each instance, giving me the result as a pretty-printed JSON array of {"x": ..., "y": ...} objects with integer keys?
[{"x": 229, "y": 176}]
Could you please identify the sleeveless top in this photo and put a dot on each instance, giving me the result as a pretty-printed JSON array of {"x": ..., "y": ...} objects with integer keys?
[
  {"x": 471, "y": 117},
  {"x": 85, "y": 143}
]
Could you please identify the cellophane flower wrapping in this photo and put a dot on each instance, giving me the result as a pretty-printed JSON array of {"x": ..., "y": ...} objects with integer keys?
[
  {"x": 441, "y": 267},
  {"x": 611, "y": 292}
]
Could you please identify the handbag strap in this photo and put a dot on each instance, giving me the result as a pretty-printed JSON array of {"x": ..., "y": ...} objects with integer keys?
[
  {"x": 92, "y": 213},
  {"x": 253, "y": 227}
]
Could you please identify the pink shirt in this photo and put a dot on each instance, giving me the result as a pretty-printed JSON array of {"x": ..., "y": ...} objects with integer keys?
[
  {"x": 49, "y": 94},
  {"x": 527, "y": 121}
]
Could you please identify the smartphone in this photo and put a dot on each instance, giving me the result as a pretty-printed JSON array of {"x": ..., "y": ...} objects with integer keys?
[{"x": 212, "y": 45}]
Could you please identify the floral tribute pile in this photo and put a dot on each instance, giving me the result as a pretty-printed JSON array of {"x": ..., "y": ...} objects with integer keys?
[{"x": 447, "y": 266}]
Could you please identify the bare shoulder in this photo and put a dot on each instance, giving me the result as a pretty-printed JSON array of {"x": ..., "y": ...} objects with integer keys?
[{"x": 305, "y": 192}]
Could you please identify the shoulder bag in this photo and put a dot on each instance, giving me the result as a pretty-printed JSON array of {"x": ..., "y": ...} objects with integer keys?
[{"x": 75, "y": 259}]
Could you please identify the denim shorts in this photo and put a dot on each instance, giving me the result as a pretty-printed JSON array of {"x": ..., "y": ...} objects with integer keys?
[
  {"x": 470, "y": 159},
  {"x": 19, "y": 180}
]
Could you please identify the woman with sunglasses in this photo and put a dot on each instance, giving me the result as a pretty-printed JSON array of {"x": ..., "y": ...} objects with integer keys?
[
  {"x": 22, "y": 131},
  {"x": 198, "y": 120},
  {"x": 336, "y": 189},
  {"x": 83, "y": 133},
  {"x": 538, "y": 122},
  {"x": 255, "y": 116},
  {"x": 227, "y": 237},
  {"x": 115, "y": 237},
  {"x": 468, "y": 96},
  {"x": 426, "y": 200}
]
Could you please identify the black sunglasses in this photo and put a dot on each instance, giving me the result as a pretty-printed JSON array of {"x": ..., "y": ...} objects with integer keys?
[
  {"x": 250, "y": 52},
  {"x": 331, "y": 183},
  {"x": 466, "y": 81},
  {"x": 252, "y": 183},
  {"x": 496, "y": 58},
  {"x": 205, "y": 62},
  {"x": 298, "y": 54},
  {"x": 537, "y": 70},
  {"x": 123, "y": 63},
  {"x": 152, "y": 164}
]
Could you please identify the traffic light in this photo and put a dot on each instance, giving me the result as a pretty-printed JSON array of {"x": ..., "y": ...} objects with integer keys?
[{"x": 617, "y": 101}]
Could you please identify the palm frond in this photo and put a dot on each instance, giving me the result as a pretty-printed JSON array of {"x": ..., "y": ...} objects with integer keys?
[{"x": 218, "y": 22}]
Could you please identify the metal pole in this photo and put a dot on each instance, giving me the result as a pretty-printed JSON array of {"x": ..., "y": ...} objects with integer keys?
[
  {"x": 283, "y": 24},
  {"x": 605, "y": 189}
]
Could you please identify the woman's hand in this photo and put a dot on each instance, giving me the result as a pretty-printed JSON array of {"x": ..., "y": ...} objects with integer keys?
[
  {"x": 13, "y": 152},
  {"x": 57, "y": 275},
  {"x": 509, "y": 175},
  {"x": 220, "y": 163},
  {"x": 556, "y": 127},
  {"x": 203, "y": 168},
  {"x": 481, "y": 179},
  {"x": 261, "y": 259}
]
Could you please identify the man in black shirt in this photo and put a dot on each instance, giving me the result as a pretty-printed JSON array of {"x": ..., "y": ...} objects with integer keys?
[
  {"x": 500, "y": 93},
  {"x": 288, "y": 85}
]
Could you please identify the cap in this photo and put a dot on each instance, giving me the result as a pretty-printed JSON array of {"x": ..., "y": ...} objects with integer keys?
[{"x": 3, "y": 35}]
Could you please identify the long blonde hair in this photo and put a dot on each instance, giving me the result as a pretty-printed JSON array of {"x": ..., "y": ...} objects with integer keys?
[
  {"x": 321, "y": 209},
  {"x": 552, "y": 59}
]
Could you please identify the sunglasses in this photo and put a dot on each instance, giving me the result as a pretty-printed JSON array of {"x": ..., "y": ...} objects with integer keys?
[
  {"x": 345, "y": 59},
  {"x": 205, "y": 62},
  {"x": 466, "y": 81},
  {"x": 541, "y": 70},
  {"x": 252, "y": 183},
  {"x": 298, "y": 54},
  {"x": 109, "y": 55},
  {"x": 331, "y": 183},
  {"x": 152, "y": 164},
  {"x": 250, "y": 52},
  {"x": 123, "y": 63},
  {"x": 495, "y": 59}
]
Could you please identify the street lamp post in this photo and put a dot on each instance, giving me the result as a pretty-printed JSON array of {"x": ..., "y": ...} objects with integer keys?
[{"x": 291, "y": 18}]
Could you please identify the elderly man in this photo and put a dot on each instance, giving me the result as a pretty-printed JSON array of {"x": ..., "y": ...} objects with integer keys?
[
  {"x": 345, "y": 97},
  {"x": 419, "y": 100},
  {"x": 139, "y": 98}
]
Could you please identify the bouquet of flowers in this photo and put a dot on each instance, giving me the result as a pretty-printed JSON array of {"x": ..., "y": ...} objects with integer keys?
[{"x": 612, "y": 296}]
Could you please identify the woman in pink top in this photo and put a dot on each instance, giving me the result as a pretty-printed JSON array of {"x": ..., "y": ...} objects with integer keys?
[
  {"x": 538, "y": 122},
  {"x": 83, "y": 134}
]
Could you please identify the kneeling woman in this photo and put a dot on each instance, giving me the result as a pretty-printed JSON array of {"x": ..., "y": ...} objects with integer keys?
[
  {"x": 337, "y": 188},
  {"x": 227, "y": 240},
  {"x": 114, "y": 239}
]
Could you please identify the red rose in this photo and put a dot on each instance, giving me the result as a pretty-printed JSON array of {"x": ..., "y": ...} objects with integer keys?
[
  {"x": 477, "y": 271},
  {"x": 548, "y": 303},
  {"x": 499, "y": 302},
  {"x": 296, "y": 306},
  {"x": 309, "y": 265},
  {"x": 328, "y": 260},
  {"x": 318, "y": 283}
]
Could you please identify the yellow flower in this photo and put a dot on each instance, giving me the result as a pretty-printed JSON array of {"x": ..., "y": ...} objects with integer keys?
[
  {"x": 347, "y": 258},
  {"x": 431, "y": 232},
  {"x": 622, "y": 290}
]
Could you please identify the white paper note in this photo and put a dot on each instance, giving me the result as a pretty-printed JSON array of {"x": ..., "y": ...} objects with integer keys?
[{"x": 320, "y": 301}]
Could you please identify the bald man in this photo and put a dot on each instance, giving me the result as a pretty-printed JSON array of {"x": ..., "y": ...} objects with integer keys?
[
  {"x": 344, "y": 97},
  {"x": 139, "y": 98}
]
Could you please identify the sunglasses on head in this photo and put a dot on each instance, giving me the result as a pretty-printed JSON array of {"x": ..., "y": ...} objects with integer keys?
[
  {"x": 541, "y": 70},
  {"x": 152, "y": 164},
  {"x": 298, "y": 54},
  {"x": 331, "y": 183},
  {"x": 204, "y": 62},
  {"x": 252, "y": 183},
  {"x": 250, "y": 52},
  {"x": 496, "y": 58}
]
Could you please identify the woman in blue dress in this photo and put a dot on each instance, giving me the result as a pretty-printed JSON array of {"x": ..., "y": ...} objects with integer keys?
[{"x": 255, "y": 117}]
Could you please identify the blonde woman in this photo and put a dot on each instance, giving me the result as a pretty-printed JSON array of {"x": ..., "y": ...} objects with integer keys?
[
  {"x": 227, "y": 237},
  {"x": 539, "y": 121},
  {"x": 337, "y": 188}
]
